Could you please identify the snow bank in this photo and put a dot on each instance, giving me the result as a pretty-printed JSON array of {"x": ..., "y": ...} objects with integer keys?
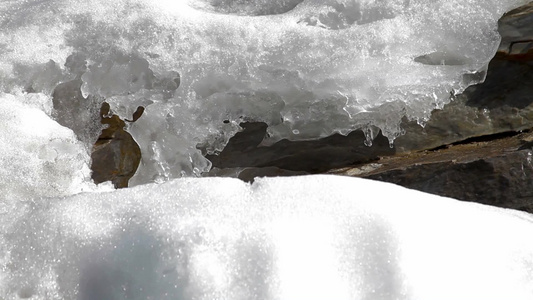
[
  {"x": 38, "y": 157},
  {"x": 313, "y": 237},
  {"x": 308, "y": 68}
]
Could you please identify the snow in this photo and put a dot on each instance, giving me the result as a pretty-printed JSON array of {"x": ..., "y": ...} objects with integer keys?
[
  {"x": 310, "y": 237},
  {"x": 38, "y": 156}
]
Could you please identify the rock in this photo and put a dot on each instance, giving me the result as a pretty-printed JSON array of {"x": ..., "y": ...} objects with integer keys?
[
  {"x": 515, "y": 26},
  {"x": 502, "y": 103},
  {"x": 116, "y": 155},
  {"x": 496, "y": 171},
  {"x": 244, "y": 150},
  {"x": 477, "y": 148}
]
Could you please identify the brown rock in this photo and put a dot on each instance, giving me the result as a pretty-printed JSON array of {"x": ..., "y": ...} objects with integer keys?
[{"x": 116, "y": 155}]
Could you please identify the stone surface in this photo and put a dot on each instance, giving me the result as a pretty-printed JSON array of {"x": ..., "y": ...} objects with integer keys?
[
  {"x": 496, "y": 171},
  {"x": 503, "y": 103},
  {"x": 516, "y": 26},
  {"x": 244, "y": 150},
  {"x": 116, "y": 155}
]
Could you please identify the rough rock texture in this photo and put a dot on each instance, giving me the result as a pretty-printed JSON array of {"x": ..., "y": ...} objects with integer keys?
[
  {"x": 516, "y": 26},
  {"x": 243, "y": 150},
  {"x": 495, "y": 170},
  {"x": 116, "y": 155},
  {"x": 503, "y": 102}
]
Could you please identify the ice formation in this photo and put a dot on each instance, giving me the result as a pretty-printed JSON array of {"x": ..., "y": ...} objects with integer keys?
[
  {"x": 312, "y": 237},
  {"x": 308, "y": 68}
]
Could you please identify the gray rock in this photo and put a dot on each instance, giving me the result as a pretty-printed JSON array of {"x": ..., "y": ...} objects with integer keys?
[
  {"x": 503, "y": 102},
  {"x": 243, "y": 150},
  {"x": 473, "y": 149},
  {"x": 514, "y": 26}
]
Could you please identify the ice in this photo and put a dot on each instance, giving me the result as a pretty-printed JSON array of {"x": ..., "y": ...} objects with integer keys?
[
  {"x": 312, "y": 237},
  {"x": 308, "y": 68}
]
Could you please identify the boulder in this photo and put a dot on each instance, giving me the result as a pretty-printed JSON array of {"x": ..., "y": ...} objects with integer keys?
[{"x": 116, "y": 155}]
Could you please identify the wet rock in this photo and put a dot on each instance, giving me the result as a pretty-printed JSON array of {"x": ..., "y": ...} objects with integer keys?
[
  {"x": 515, "y": 26},
  {"x": 504, "y": 102},
  {"x": 116, "y": 155},
  {"x": 244, "y": 150},
  {"x": 496, "y": 171}
]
